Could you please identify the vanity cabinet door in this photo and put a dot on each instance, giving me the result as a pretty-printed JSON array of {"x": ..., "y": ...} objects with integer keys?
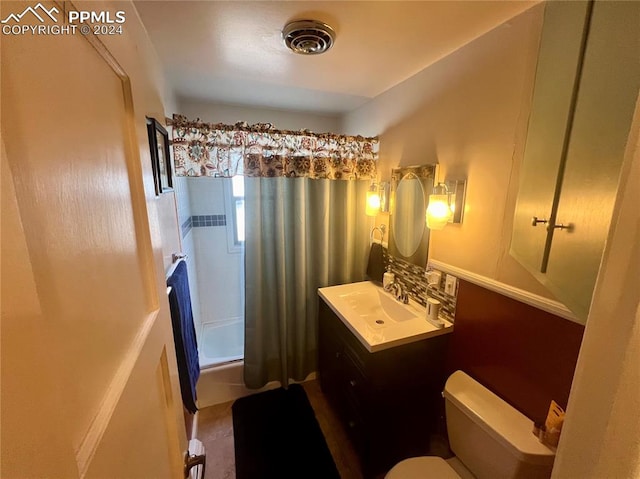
[
  {"x": 330, "y": 358},
  {"x": 387, "y": 401},
  {"x": 341, "y": 380},
  {"x": 576, "y": 141}
]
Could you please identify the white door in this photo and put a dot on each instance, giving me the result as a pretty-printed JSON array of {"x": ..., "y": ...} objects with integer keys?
[{"x": 88, "y": 366}]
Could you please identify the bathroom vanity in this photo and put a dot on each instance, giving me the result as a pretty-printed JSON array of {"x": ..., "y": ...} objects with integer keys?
[{"x": 381, "y": 367}]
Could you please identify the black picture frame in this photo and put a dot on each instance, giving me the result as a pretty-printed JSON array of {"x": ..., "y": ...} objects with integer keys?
[{"x": 160, "y": 159}]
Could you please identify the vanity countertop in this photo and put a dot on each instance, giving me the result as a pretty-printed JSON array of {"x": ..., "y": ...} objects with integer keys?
[{"x": 376, "y": 318}]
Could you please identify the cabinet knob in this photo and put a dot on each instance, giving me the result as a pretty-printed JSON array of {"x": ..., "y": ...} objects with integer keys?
[
  {"x": 560, "y": 226},
  {"x": 338, "y": 355},
  {"x": 351, "y": 424},
  {"x": 353, "y": 383},
  {"x": 535, "y": 220}
]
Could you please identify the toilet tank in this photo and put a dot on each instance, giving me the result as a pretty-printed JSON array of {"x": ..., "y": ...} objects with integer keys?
[{"x": 491, "y": 438}]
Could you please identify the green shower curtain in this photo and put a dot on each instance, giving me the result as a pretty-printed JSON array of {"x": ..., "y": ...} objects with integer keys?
[
  {"x": 301, "y": 234},
  {"x": 305, "y": 227}
]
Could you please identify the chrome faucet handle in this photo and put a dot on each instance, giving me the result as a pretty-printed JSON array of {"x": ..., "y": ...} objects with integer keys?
[
  {"x": 404, "y": 297},
  {"x": 399, "y": 292}
]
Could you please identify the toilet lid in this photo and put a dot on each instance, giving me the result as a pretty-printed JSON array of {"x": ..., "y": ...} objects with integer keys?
[{"x": 430, "y": 467}]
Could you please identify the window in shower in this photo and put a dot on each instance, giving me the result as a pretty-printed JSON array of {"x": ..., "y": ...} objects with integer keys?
[{"x": 234, "y": 201}]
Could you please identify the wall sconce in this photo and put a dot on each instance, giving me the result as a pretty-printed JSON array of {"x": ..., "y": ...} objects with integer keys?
[
  {"x": 446, "y": 204},
  {"x": 377, "y": 198},
  {"x": 373, "y": 201}
]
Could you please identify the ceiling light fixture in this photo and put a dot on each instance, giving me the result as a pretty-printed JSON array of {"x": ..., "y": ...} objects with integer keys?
[{"x": 308, "y": 37}]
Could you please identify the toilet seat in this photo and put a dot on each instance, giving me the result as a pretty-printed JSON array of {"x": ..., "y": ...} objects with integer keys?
[{"x": 426, "y": 467}]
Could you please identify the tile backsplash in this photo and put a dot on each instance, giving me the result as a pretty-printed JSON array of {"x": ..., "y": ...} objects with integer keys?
[{"x": 413, "y": 279}]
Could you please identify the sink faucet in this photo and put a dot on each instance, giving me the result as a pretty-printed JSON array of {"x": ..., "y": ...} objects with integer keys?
[{"x": 398, "y": 291}]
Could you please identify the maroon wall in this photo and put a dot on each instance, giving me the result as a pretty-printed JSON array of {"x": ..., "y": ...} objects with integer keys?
[{"x": 523, "y": 354}]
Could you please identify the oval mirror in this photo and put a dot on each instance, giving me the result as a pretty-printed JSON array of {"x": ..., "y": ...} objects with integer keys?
[
  {"x": 409, "y": 222},
  {"x": 410, "y": 188}
]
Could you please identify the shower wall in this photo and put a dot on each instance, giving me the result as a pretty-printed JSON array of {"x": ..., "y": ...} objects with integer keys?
[
  {"x": 216, "y": 275},
  {"x": 181, "y": 189},
  {"x": 220, "y": 274}
]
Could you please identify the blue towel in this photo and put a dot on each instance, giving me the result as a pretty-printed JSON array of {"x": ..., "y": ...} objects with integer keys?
[{"x": 184, "y": 335}]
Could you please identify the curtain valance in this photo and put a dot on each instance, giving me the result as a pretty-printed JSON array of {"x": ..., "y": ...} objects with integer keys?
[{"x": 203, "y": 149}]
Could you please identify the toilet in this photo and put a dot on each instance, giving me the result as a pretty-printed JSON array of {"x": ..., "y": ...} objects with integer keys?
[{"x": 490, "y": 440}]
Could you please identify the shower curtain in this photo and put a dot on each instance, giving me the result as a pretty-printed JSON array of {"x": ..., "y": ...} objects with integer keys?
[
  {"x": 305, "y": 227},
  {"x": 301, "y": 234}
]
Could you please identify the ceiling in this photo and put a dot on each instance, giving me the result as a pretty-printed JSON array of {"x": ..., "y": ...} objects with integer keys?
[{"x": 232, "y": 51}]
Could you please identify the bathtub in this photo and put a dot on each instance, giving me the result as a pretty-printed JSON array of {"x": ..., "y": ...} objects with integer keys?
[
  {"x": 225, "y": 382},
  {"x": 221, "y": 342},
  {"x": 221, "y": 353}
]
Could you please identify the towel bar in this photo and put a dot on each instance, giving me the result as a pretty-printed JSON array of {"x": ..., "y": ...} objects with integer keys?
[
  {"x": 173, "y": 266},
  {"x": 175, "y": 257},
  {"x": 381, "y": 229}
]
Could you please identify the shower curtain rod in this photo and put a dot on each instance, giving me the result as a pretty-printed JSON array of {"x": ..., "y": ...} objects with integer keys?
[{"x": 184, "y": 122}]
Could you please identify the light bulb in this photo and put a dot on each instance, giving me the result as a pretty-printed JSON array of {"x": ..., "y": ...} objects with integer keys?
[
  {"x": 438, "y": 212},
  {"x": 373, "y": 203}
]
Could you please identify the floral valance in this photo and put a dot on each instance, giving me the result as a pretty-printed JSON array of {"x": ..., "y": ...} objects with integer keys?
[{"x": 202, "y": 149}]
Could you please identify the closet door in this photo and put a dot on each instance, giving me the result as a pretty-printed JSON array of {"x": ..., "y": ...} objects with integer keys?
[{"x": 88, "y": 366}]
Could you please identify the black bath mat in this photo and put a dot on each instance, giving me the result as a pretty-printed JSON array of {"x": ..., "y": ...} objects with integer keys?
[{"x": 277, "y": 436}]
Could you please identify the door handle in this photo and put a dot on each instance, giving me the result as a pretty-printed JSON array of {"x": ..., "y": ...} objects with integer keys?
[
  {"x": 535, "y": 220},
  {"x": 560, "y": 226},
  {"x": 193, "y": 460}
]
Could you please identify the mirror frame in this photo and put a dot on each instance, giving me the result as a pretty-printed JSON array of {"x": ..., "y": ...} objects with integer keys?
[{"x": 426, "y": 175}]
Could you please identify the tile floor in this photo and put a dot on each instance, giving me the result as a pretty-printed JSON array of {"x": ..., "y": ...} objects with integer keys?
[{"x": 215, "y": 430}]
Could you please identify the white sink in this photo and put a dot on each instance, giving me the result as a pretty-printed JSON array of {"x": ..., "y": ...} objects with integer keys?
[
  {"x": 377, "y": 319},
  {"x": 378, "y": 306}
]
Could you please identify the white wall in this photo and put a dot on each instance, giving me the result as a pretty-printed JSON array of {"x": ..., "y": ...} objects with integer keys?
[
  {"x": 181, "y": 189},
  {"x": 188, "y": 248},
  {"x": 468, "y": 112},
  {"x": 281, "y": 119}
]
